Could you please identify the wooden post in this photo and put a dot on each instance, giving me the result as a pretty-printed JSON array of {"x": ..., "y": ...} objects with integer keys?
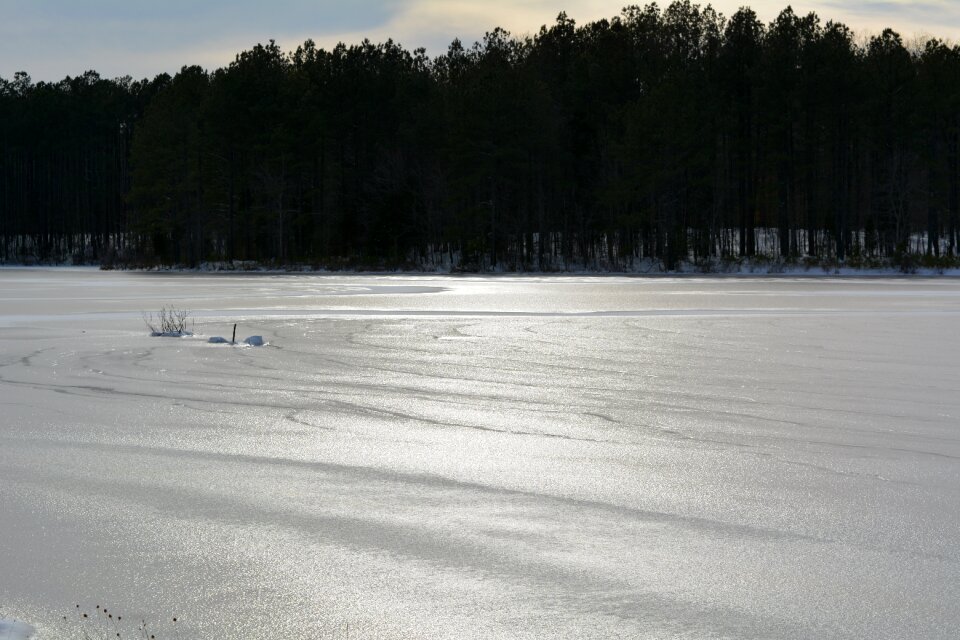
[{"x": 234, "y": 339}]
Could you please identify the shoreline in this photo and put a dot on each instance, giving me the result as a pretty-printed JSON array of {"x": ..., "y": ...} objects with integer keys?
[{"x": 688, "y": 271}]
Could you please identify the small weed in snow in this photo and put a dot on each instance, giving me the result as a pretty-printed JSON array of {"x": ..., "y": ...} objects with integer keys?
[{"x": 102, "y": 623}]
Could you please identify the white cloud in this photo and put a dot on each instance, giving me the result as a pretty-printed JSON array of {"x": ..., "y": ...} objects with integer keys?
[
  {"x": 126, "y": 38},
  {"x": 434, "y": 23}
]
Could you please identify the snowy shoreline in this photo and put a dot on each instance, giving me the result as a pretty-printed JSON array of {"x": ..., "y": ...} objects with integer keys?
[{"x": 641, "y": 270}]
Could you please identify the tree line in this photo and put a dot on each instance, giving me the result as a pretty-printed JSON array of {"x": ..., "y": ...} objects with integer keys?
[{"x": 662, "y": 134}]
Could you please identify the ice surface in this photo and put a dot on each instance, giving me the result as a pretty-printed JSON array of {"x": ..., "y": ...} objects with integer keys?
[
  {"x": 14, "y": 630},
  {"x": 468, "y": 457}
]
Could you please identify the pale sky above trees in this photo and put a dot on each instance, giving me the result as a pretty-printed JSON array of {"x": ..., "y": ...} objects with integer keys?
[{"x": 51, "y": 39}]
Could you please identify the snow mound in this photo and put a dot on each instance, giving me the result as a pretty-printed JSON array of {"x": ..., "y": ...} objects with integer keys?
[
  {"x": 14, "y": 630},
  {"x": 170, "y": 334},
  {"x": 252, "y": 341}
]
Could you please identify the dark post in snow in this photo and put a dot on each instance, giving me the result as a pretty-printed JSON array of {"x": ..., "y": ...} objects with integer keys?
[{"x": 233, "y": 340}]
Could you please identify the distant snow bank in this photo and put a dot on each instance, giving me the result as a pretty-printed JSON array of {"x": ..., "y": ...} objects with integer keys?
[
  {"x": 739, "y": 267},
  {"x": 252, "y": 341},
  {"x": 748, "y": 267}
]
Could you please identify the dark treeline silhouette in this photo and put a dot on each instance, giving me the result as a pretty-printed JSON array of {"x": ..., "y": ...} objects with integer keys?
[{"x": 667, "y": 134}]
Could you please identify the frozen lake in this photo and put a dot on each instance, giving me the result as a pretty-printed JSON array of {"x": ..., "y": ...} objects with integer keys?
[{"x": 469, "y": 457}]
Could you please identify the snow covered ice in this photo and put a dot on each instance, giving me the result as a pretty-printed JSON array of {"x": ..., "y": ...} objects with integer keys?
[
  {"x": 470, "y": 457},
  {"x": 14, "y": 630}
]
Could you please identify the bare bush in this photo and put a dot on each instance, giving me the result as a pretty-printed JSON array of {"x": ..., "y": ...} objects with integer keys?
[{"x": 169, "y": 321}]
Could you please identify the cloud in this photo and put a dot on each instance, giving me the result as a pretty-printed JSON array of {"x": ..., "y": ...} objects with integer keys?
[
  {"x": 54, "y": 38},
  {"x": 938, "y": 17},
  {"x": 433, "y": 24}
]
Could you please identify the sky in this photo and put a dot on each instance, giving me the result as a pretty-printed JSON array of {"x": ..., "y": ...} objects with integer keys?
[{"x": 51, "y": 39}]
